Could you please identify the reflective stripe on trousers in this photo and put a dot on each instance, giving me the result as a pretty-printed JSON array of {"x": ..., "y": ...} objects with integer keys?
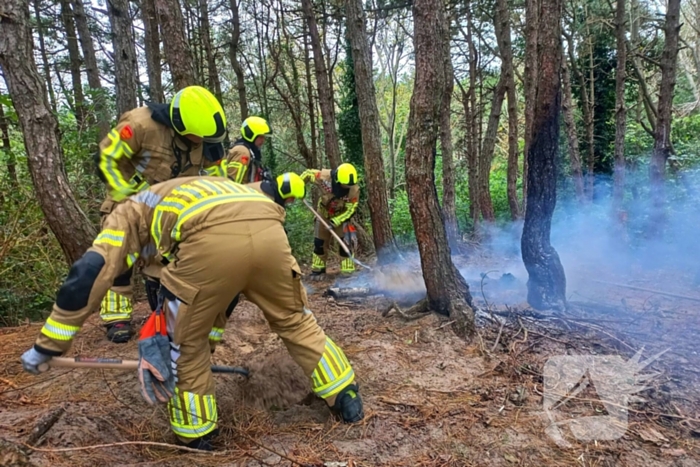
[
  {"x": 333, "y": 372},
  {"x": 115, "y": 307}
]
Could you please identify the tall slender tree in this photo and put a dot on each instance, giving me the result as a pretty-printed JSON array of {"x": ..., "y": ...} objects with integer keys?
[
  {"x": 234, "y": 48},
  {"x": 177, "y": 50},
  {"x": 78, "y": 98},
  {"x": 125, "y": 66},
  {"x": 620, "y": 110},
  {"x": 47, "y": 85},
  {"x": 151, "y": 38},
  {"x": 209, "y": 51}
]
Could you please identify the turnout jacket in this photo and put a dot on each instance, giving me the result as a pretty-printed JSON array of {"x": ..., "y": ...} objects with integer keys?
[
  {"x": 143, "y": 149},
  {"x": 149, "y": 225},
  {"x": 244, "y": 163},
  {"x": 337, "y": 203}
]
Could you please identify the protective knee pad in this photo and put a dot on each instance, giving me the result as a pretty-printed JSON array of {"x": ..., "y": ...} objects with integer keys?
[
  {"x": 124, "y": 279},
  {"x": 318, "y": 246},
  {"x": 75, "y": 291}
]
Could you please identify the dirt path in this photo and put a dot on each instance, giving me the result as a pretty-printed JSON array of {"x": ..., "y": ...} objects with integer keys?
[{"x": 430, "y": 399}]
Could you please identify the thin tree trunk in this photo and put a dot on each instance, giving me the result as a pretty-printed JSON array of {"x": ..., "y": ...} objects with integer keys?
[
  {"x": 40, "y": 129},
  {"x": 448, "y": 293},
  {"x": 93, "y": 73},
  {"x": 125, "y": 65},
  {"x": 175, "y": 46},
  {"x": 488, "y": 148},
  {"x": 449, "y": 204},
  {"x": 212, "y": 70},
  {"x": 532, "y": 21},
  {"x": 572, "y": 136},
  {"x": 10, "y": 158},
  {"x": 325, "y": 96},
  {"x": 502, "y": 27},
  {"x": 620, "y": 110},
  {"x": 311, "y": 102},
  {"x": 547, "y": 282},
  {"x": 47, "y": 86},
  {"x": 74, "y": 58},
  {"x": 234, "y": 46},
  {"x": 590, "y": 124},
  {"x": 382, "y": 234},
  {"x": 662, "y": 133},
  {"x": 152, "y": 48}
]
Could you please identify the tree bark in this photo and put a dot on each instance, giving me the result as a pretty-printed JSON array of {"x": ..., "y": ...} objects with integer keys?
[
  {"x": 93, "y": 73},
  {"x": 152, "y": 48},
  {"x": 311, "y": 103},
  {"x": 449, "y": 203},
  {"x": 175, "y": 46},
  {"x": 662, "y": 132},
  {"x": 47, "y": 87},
  {"x": 547, "y": 282},
  {"x": 234, "y": 46},
  {"x": 447, "y": 291},
  {"x": 325, "y": 95},
  {"x": 125, "y": 66},
  {"x": 590, "y": 123},
  {"x": 532, "y": 21},
  {"x": 5, "y": 133},
  {"x": 382, "y": 234},
  {"x": 79, "y": 108},
  {"x": 572, "y": 136},
  {"x": 40, "y": 130},
  {"x": 212, "y": 70},
  {"x": 505, "y": 48},
  {"x": 620, "y": 110},
  {"x": 487, "y": 150}
]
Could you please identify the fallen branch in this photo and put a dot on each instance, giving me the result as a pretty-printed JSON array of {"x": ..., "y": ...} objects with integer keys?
[
  {"x": 417, "y": 311},
  {"x": 347, "y": 292},
  {"x": 45, "y": 423},
  {"x": 642, "y": 289}
]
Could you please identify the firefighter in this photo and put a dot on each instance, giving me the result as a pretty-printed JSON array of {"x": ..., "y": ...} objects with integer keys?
[
  {"x": 198, "y": 227},
  {"x": 149, "y": 145},
  {"x": 340, "y": 194},
  {"x": 244, "y": 160}
]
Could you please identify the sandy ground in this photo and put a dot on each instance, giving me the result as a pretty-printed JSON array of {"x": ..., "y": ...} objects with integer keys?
[{"x": 431, "y": 399}]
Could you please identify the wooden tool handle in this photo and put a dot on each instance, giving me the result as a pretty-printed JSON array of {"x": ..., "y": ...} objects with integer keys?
[
  {"x": 330, "y": 229},
  {"x": 89, "y": 362}
]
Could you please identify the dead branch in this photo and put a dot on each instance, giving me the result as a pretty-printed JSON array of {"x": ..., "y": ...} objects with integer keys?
[
  {"x": 45, "y": 423},
  {"x": 417, "y": 311},
  {"x": 642, "y": 289},
  {"x": 347, "y": 292}
]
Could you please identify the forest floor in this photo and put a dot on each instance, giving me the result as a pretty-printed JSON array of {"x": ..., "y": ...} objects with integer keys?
[{"x": 430, "y": 398}]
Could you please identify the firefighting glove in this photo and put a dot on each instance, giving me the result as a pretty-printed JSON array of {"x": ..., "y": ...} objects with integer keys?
[
  {"x": 310, "y": 175},
  {"x": 155, "y": 374},
  {"x": 31, "y": 359},
  {"x": 348, "y": 404}
]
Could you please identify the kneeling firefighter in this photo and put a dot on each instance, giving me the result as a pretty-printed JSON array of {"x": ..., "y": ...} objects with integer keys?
[
  {"x": 198, "y": 227},
  {"x": 152, "y": 144},
  {"x": 340, "y": 195}
]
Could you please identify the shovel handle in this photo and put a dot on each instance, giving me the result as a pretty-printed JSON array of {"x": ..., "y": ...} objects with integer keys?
[{"x": 118, "y": 364}]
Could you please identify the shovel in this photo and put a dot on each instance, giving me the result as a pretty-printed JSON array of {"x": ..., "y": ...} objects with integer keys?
[
  {"x": 340, "y": 241},
  {"x": 119, "y": 364}
]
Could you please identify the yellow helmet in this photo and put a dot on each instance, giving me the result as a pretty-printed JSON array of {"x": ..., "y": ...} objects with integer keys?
[
  {"x": 253, "y": 127},
  {"x": 195, "y": 111},
  {"x": 290, "y": 185},
  {"x": 346, "y": 174}
]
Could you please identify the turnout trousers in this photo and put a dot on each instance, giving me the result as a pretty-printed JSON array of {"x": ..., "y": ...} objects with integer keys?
[
  {"x": 322, "y": 241},
  {"x": 214, "y": 265}
]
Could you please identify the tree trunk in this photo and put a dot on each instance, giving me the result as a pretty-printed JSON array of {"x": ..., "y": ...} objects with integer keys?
[
  {"x": 152, "y": 48},
  {"x": 590, "y": 123},
  {"x": 447, "y": 291},
  {"x": 532, "y": 21},
  {"x": 487, "y": 150},
  {"x": 234, "y": 46},
  {"x": 325, "y": 96},
  {"x": 662, "y": 133},
  {"x": 48, "y": 85},
  {"x": 620, "y": 111},
  {"x": 449, "y": 204},
  {"x": 74, "y": 57},
  {"x": 93, "y": 73},
  {"x": 175, "y": 46},
  {"x": 311, "y": 103},
  {"x": 382, "y": 234},
  {"x": 212, "y": 70},
  {"x": 125, "y": 66},
  {"x": 572, "y": 136},
  {"x": 10, "y": 161},
  {"x": 40, "y": 130},
  {"x": 547, "y": 282},
  {"x": 505, "y": 48}
]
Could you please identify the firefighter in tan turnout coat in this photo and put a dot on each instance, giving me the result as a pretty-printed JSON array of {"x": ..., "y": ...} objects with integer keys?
[
  {"x": 216, "y": 238},
  {"x": 149, "y": 145}
]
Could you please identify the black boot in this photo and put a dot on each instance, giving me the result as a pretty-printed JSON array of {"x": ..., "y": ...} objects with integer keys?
[
  {"x": 348, "y": 404},
  {"x": 119, "y": 332},
  {"x": 203, "y": 443}
]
